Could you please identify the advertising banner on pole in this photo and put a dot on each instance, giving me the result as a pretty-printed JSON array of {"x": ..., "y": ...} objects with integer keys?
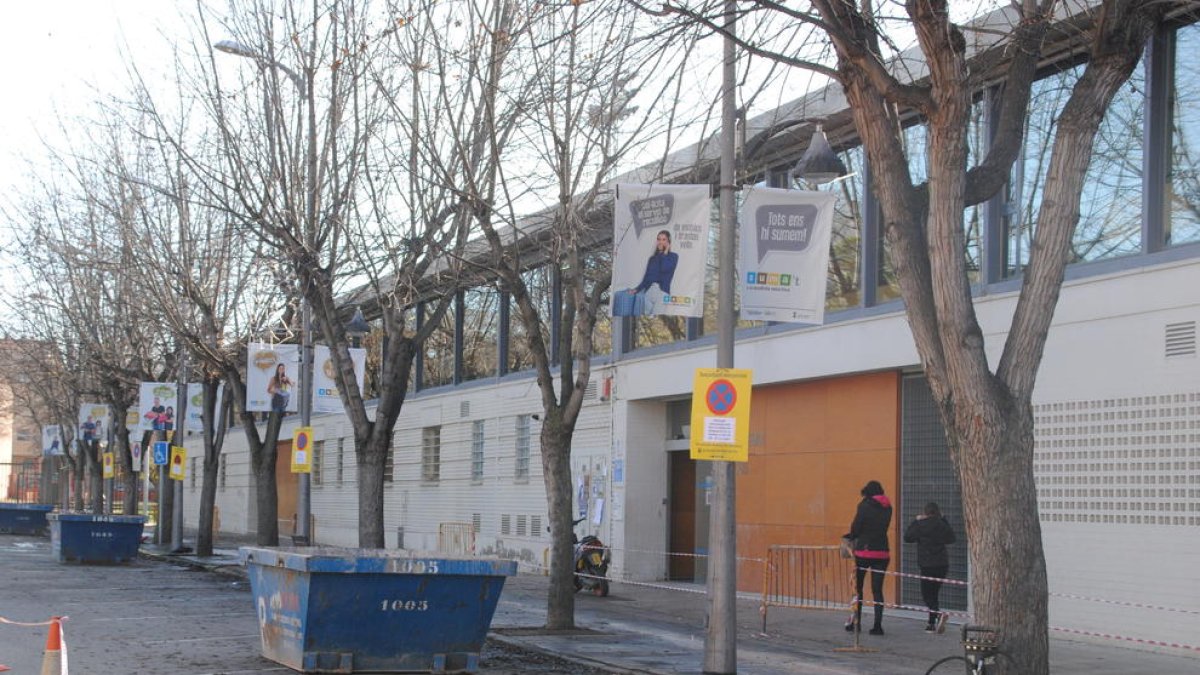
[
  {"x": 93, "y": 421},
  {"x": 302, "y": 450},
  {"x": 52, "y": 442},
  {"x": 721, "y": 414},
  {"x": 272, "y": 377},
  {"x": 660, "y": 235},
  {"x": 156, "y": 406},
  {"x": 784, "y": 254},
  {"x": 195, "y": 407},
  {"x": 325, "y": 390}
]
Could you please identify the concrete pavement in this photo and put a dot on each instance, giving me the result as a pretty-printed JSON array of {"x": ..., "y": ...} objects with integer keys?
[{"x": 659, "y": 628}]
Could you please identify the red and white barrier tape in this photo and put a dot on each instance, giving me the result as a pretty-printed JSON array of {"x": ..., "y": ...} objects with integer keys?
[
  {"x": 1121, "y": 603},
  {"x": 1110, "y": 636}
]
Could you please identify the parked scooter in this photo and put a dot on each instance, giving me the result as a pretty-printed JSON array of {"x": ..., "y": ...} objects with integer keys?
[{"x": 591, "y": 564}]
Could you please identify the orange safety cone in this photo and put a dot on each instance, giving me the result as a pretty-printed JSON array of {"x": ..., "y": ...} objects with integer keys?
[{"x": 52, "y": 658}]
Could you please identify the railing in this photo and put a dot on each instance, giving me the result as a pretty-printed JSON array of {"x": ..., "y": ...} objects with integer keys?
[{"x": 806, "y": 577}]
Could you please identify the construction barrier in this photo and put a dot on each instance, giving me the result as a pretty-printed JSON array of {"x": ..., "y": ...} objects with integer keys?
[
  {"x": 806, "y": 577},
  {"x": 456, "y": 538}
]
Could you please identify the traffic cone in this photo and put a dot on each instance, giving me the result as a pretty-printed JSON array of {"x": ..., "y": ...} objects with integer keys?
[{"x": 52, "y": 658}]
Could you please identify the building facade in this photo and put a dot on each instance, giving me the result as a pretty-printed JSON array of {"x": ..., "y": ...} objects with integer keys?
[{"x": 1117, "y": 404}]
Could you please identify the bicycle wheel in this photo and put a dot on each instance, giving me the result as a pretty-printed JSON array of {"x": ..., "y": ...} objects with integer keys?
[{"x": 937, "y": 667}]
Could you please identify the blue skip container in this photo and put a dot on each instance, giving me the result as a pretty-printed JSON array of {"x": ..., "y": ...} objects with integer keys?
[
  {"x": 95, "y": 539},
  {"x": 337, "y": 610},
  {"x": 24, "y": 518}
]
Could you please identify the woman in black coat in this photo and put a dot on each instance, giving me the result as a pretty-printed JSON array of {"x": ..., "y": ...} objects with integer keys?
[
  {"x": 868, "y": 532},
  {"x": 931, "y": 533}
]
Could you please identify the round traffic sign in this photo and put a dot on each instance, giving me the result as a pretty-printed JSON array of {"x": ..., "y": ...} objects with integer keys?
[
  {"x": 720, "y": 397},
  {"x": 301, "y": 441}
]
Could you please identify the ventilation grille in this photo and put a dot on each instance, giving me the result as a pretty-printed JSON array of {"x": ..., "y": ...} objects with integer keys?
[
  {"x": 591, "y": 391},
  {"x": 505, "y": 524},
  {"x": 535, "y": 526},
  {"x": 464, "y": 409},
  {"x": 477, "y": 522},
  {"x": 1180, "y": 339},
  {"x": 522, "y": 526}
]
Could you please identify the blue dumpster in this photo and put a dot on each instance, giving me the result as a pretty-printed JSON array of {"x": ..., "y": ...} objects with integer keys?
[
  {"x": 24, "y": 518},
  {"x": 88, "y": 538},
  {"x": 336, "y": 610}
]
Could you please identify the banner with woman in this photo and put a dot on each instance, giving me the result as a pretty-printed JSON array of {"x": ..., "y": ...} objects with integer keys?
[
  {"x": 660, "y": 243},
  {"x": 272, "y": 378}
]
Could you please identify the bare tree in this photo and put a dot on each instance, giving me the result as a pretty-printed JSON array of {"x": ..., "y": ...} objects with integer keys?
[
  {"x": 987, "y": 413},
  {"x": 594, "y": 92}
]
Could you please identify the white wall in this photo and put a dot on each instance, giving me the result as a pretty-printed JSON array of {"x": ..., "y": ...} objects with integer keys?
[{"x": 1106, "y": 344}]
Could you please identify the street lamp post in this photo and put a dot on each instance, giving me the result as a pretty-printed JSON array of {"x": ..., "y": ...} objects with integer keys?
[
  {"x": 720, "y": 644},
  {"x": 305, "y": 86}
]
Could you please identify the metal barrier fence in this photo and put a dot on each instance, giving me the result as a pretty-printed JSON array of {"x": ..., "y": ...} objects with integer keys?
[
  {"x": 21, "y": 482},
  {"x": 456, "y": 538},
  {"x": 806, "y": 577}
]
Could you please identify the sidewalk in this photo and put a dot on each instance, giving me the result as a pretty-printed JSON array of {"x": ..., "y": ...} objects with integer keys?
[{"x": 659, "y": 628}]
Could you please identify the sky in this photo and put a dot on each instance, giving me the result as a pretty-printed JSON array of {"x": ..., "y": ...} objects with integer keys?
[{"x": 58, "y": 57}]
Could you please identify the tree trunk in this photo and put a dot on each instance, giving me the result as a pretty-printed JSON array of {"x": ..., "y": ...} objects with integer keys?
[
  {"x": 208, "y": 499},
  {"x": 77, "y": 464},
  {"x": 96, "y": 477},
  {"x": 166, "y": 488},
  {"x": 556, "y": 473},
  {"x": 266, "y": 493},
  {"x": 993, "y": 447},
  {"x": 371, "y": 461}
]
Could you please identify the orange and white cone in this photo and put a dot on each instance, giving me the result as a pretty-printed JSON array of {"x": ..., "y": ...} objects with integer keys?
[{"x": 54, "y": 659}]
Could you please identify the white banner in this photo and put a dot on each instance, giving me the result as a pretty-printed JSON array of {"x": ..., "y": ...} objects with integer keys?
[
  {"x": 93, "y": 422},
  {"x": 325, "y": 390},
  {"x": 195, "y": 406},
  {"x": 52, "y": 441},
  {"x": 272, "y": 377},
  {"x": 156, "y": 406},
  {"x": 784, "y": 254},
  {"x": 660, "y": 240}
]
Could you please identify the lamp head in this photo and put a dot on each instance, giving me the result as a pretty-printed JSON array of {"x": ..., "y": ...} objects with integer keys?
[{"x": 819, "y": 164}]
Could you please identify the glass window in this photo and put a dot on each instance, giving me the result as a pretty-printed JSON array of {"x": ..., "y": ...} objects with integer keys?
[
  {"x": 599, "y": 266},
  {"x": 541, "y": 292},
  {"x": 318, "y": 457},
  {"x": 973, "y": 215},
  {"x": 389, "y": 463},
  {"x": 1110, "y": 207},
  {"x": 431, "y": 454},
  {"x": 845, "y": 246},
  {"x": 481, "y": 333},
  {"x": 438, "y": 351},
  {"x": 341, "y": 460},
  {"x": 477, "y": 450},
  {"x": 1183, "y": 184},
  {"x": 521, "y": 467}
]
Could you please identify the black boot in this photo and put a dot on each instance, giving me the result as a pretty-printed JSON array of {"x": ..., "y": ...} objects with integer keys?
[{"x": 877, "y": 629}]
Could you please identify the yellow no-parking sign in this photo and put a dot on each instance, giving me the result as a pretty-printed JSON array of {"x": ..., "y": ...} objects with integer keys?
[
  {"x": 302, "y": 450},
  {"x": 108, "y": 465},
  {"x": 721, "y": 414}
]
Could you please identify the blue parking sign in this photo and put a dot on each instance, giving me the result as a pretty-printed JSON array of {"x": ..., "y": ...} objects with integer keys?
[{"x": 160, "y": 453}]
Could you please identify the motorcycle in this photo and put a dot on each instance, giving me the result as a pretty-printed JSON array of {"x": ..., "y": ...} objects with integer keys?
[{"x": 591, "y": 565}]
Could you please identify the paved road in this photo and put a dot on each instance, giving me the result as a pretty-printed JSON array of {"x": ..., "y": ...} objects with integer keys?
[
  {"x": 157, "y": 618},
  {"x": 164, "y": 617}
]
